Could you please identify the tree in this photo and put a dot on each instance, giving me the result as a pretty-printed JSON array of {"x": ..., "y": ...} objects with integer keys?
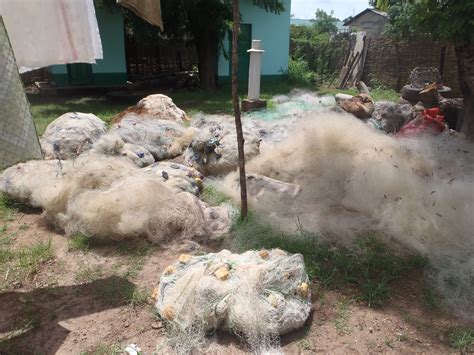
[
  {"x": 236, "y": 106},
  {"x": 382, "y": 5},
  {"x": 448, "y": 20},
  {"x": 204, "y": 23},
  {"x": 324, "y": 22}
]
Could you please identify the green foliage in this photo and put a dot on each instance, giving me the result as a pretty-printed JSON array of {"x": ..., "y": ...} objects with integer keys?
[
  {"x": 462, "y": 339},
  {"x": 29, "y": 258},
  {"x": 213, "y": 196},
  {"x": 324, "y": 22},
  {"x": 380, "y": 92},
  {"x": 7, "y": 211},
  {"x": 79, "y": 242},
  {"x": 449, "y": 20},
  {"x": 368, "y": 264},
  {"x": 299, "y": 72},
  {"x": 382, "y": 5},
  {"x": 17, "y": 265},
  {"x": 319, "y": 46}
]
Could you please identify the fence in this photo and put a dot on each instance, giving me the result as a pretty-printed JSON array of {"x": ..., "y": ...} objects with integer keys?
[
  {"x": 147, "y": 60},
  {"x": 389, "y": 61}
]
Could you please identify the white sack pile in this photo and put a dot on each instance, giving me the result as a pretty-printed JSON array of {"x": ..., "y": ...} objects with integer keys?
[
  {"x": 71, "y": 134},
  {"x": 257, "y": 295},
  {"x": 213, "y": 150},
  {"x": 108, "y": 198}
]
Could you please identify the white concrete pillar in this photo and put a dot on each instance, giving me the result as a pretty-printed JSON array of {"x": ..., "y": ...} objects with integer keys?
[{"x": 255, "y": 69}]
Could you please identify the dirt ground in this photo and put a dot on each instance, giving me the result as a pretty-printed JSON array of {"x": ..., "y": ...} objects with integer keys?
[{"x": 97, "y": 300}]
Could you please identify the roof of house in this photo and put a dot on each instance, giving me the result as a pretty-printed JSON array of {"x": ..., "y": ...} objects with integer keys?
[{"x": 377, "y": 12}]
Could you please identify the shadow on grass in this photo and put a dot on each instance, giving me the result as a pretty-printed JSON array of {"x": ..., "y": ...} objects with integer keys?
[{"x": 29, "y": 321}]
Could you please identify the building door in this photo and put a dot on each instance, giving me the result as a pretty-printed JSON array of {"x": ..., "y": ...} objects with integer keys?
[
  {"x": 80, "y": 74},
  {"x": 244, "y": 42}
]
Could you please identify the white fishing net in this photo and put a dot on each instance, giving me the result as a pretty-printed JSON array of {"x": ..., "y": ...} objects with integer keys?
[
  {"x": 257, "y": 295},
  {"x": 110, "y": 198},
  {"x": 355, "y": 180},
  {"x": 71, "y": 134}
]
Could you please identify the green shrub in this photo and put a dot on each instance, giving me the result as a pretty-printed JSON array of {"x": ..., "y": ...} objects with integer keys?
[
  {"x": 323, "y": 52},
  {"x": 299, "y": 72}
]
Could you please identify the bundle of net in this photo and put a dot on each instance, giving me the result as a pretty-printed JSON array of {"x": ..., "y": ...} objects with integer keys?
[
  {"x": 105, "y": 197},
  {"x": 257, "y": 295}
]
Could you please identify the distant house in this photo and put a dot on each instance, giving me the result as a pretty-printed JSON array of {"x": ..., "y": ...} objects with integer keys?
[
  {"x": 123, "y": 60},
  {"x": 370, "y": 20}
]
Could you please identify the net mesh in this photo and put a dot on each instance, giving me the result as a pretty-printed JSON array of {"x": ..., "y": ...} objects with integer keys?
[{"x": 257, "y": 295}]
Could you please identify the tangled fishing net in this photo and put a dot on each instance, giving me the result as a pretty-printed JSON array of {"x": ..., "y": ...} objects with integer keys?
[
  {"x": 355, "y": 180},
  {"x": 257, "y": 295},
  {"x": 213, "y": 149},
  {"x": 112, "y": 145},
  {"x": 71, "y": 134},
  {"x": 162, "y": 138},
  {"x": 109, "y": 198},
  {"x": 156, "y": 106}
]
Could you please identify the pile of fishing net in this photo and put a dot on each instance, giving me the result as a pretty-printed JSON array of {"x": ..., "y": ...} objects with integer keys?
[
  {"x": 354, "y": 180},
  {"x": 257, "y": 295},
  {"x": 109, "y": 198},
  {"x": 157, "y": 106},
  {"x": 213, "y": 148},
  {"x": 164, "y": 139},
  {"x": 71, "y": 134}
]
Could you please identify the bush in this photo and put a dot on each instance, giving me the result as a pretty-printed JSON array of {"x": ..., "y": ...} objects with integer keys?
[
  {"x": 299, "y": 72},
  {"x": 323, "y": 52}
]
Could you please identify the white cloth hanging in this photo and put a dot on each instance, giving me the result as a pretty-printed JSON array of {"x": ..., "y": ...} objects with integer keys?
[{"x": 47, "y": 32}]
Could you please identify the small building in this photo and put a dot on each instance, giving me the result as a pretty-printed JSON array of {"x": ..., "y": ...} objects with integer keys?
[
  {"x": 121, "y": 61},
  {"x": 371, "y": 21}
]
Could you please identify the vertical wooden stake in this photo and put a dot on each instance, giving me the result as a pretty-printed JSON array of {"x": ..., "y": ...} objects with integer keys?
[{"x": 235, "y": 103}]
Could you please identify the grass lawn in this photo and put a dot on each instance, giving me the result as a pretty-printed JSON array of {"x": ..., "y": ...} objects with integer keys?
[{"x": 46, "y": 109}]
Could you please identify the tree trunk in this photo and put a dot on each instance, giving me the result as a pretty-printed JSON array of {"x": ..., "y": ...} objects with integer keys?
[
  {"x": 465, "y": 61},
  {"x": 206, "y": 46},
  {"x": 235, "y": 103}
]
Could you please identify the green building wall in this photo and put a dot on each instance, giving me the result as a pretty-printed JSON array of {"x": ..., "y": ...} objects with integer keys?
[
  {"x": 274, "y": 32},
  {"x": 111, "y": 70}
]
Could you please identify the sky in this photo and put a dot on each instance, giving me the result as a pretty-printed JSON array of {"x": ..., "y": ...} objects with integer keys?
[{"x": 305, "y": 9}]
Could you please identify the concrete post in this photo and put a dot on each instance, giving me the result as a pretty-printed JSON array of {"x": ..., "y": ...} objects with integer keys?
[
  {"x": 253, "y": 97},
  {"x": 255, "y": 69}
]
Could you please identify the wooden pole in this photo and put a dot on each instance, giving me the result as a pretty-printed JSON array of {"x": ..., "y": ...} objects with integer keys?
[{"x": 236, "y": 106}]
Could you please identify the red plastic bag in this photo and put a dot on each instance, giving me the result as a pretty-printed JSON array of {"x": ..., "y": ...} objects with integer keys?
[{"x": 430, "y": 121}]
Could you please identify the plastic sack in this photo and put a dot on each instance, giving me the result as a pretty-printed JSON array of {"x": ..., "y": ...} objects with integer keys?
[{"x": 430, "y": 121}]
